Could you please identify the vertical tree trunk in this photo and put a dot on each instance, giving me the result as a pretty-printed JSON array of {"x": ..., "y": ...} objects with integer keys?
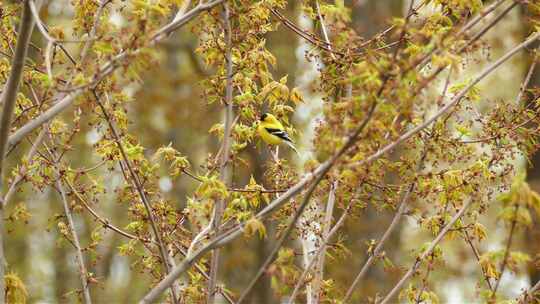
[
  {"x": 8, "y": 100},
  {"x": 309, "y": 222},
  {"x": 225, "y": 168}
]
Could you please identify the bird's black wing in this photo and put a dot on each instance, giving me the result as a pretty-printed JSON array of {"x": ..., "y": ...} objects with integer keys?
[{"x": 279, "y": 133}]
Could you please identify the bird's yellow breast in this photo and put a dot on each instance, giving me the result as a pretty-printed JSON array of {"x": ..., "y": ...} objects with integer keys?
[{"x": 267, "y": 137}]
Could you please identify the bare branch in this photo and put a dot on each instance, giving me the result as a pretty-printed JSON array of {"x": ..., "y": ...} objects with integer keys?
[
  {"x": 179, "y": 22},
  {"x": 80, "y": 259},
  {"x": 504, "y": 262},
  {"x": 323, "y": 28},
  {"x": 373, "y": 255},
  {"x": 492, "y": 23},
  {"x": 182, "y": 10},
  {"x": 427, "y": 252},
  {"x": 327, "y": 224},
  {"x": 477, "y": 257},
  {"x": 83, "y": 273},
  {"x": 11, "y": 90}
]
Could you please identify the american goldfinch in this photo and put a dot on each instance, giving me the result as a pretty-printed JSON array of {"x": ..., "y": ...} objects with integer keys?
[{"x": 272, "y": 131}]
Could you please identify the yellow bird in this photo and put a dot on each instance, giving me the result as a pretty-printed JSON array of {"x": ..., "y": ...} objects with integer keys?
[{"x": 272, "y": 131}]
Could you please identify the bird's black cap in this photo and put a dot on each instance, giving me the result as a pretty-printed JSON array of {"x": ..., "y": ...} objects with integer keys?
[{"x": 263, "y": 116}]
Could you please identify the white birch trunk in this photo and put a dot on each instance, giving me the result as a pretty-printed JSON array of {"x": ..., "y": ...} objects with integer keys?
[{"x": 308, "y": 113}]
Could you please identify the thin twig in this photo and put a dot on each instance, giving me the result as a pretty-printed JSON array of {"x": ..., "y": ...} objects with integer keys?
[
  {"x": 426, "y": 252},
  {"x": 308, "y": 37},
  {"x": 462, "y": 49},
  {"x": 196, "y": 178},
  {"x": 522, "y": 90},
  {"x": 373, "y": 255},
  {"x": 140, "y": 191},
  {"x": 223, "y": 292},
  {"x": 469, "y": 25},
  {"x": 179, "y": 22},
  {"x": 477, "y": 256},
  {"x": 201, "y": 235},
  {"x": 80, "y": 259},
  {"x": 93, "y": 31},
  {"x": 401, "y": 210},
  {"x": 492, "y": 23},
  {"x": 11, "y": 89},
  {"x": 105, "y": 222},
  {"x": 327, "y": 224},
  {"x": 323, "y": 29},
  {"x": 504, "y": 262},
  {"x": 83, "y": 272}
]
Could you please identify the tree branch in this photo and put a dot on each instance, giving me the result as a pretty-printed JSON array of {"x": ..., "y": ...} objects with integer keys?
[
  {"x": 477, "y": 257},
  {"x": 140, "y": 191},
  {"x": 401, "y": 210},
  {"x": 373, "y": 255},
  {"x": 506, "y": 252},
  {"x": 321, "y": 255},
  {"x": 80, "y": 259},
  {"x": 427, "y": 252},
  {"x": 83, "y": 272},
  {"x": 179, "y": 22}
]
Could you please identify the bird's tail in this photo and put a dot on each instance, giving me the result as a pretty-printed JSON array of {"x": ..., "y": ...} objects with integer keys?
[{"x": 290, "y": 144}]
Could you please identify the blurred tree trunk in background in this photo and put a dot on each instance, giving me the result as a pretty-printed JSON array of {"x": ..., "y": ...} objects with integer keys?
[
  {"x": 532, "y": 235},
  {"x": 369, "y": 18}
]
